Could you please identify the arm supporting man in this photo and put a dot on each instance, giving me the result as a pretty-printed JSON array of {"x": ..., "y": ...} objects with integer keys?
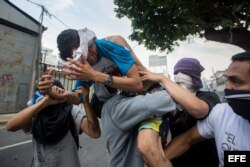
[
  {"x": 140, "y": 67},
  {"x": 90, "y": 124},
  {"x": 196, "y": 107},
  {"x": 83, "y": 71},
  {"x": 182, "y": 143}
]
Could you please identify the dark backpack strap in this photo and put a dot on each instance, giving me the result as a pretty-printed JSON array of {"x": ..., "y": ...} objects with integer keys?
[{"x": 164, "y": 127}]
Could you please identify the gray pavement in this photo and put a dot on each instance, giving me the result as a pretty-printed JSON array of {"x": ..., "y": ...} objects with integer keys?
[
  {"x": 16, "y": 149},
  {"x": 4, "y": 118}
]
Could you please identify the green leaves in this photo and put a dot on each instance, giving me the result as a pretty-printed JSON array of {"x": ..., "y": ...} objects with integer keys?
[{"x": 159, "y": 24}]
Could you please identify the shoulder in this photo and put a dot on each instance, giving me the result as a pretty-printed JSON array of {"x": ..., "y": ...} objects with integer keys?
[
  {"x": 207, "y": 94},
  {"x": 115, "y": 38},
  {"x": 220, "y": 110},
  {"x": 211, "y": 98},
  {"x": 118, "y": 39},
  {"x": 207, "y": 126}
]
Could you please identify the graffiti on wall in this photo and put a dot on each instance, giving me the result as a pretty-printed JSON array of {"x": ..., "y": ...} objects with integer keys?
[
  {"x": 6, "y": 79},
  {"x": 8, "y": 92}
]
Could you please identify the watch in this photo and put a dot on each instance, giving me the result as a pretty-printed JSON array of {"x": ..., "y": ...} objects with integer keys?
[{"x": 109, "y": 81}]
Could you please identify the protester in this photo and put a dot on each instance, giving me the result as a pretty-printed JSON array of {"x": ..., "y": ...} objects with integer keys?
[
  {"x": 192, "y": 104},
  {"x": 109, "y": 64},
  {"x": 121, "y": 117},
  {"x": 97, "y": 59},
  {"x": 229, "y": 122},
  {"x": 103, "y": 61},
  {"x": 55, "y": 126}
]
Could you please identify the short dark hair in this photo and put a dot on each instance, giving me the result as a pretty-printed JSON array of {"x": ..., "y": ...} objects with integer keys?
[
  {"x": 58, "y": 83},
  {"x": 244, "y": 56},
  {"x": 67, "y": 40}
]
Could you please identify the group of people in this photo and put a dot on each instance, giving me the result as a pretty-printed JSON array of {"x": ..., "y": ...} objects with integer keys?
[{"x": 138, "y": 108}]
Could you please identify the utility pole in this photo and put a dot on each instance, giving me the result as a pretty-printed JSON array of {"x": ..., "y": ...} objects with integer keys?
[{"x": 36, "y": 69}]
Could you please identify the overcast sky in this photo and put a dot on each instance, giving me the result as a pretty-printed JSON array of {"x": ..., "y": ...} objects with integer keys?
[{"x": 99, "y": 16}]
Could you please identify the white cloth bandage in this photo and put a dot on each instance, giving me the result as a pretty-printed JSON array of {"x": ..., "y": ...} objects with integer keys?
[
  {"x": 183, "y": 78},
  {"x": 184, "y": 81},
  {"x": 86, "y": 38}
]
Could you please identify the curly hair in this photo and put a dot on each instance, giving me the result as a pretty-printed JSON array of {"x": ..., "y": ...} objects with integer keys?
[{"x": 67, "y": 40}]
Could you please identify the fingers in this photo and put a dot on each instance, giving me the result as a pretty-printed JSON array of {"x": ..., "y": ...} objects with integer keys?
[
  {"x": 71, "y": 68},
  {"x": 45, "y": 78},
  {"x": 50, "y": 72},
  {"x": 45, "y": 83},
  {"x": 75, "y": 62},
  {"x": 55, "y": 93},
  {"x": 71, "y": 74},
  {"x": 143, "y": 78},
  {"x": 48, "y": 76},
  {"x": 75, "y": 76},
  {"x": 142, "y": 72},
  {"x": 143, "y": 75},
  {"x": 58, "y": 89}
]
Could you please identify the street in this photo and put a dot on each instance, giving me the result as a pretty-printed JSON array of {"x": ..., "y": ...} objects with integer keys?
[{"x": 16, "y": 150}]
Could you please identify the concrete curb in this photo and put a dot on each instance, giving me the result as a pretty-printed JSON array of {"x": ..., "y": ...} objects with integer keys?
[{"x": 4, "y": 118}]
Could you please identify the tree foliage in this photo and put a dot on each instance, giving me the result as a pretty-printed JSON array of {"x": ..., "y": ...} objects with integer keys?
[{"x": 161, "y": 23}]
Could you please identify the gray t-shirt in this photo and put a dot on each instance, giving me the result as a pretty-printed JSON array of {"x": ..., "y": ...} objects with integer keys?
[
  {"x": 62, "y": 154},
  {"x": 121, "y": 116}
]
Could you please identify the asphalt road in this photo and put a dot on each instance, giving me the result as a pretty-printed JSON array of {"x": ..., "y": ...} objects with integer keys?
[{"x": 16, "y": 150}]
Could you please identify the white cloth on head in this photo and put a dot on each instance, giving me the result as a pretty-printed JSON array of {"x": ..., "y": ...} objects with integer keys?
[
  {"x": 183, "y": 78},
  {"x": 86, "y": 38},
  {"x": 186, "y": 82}
]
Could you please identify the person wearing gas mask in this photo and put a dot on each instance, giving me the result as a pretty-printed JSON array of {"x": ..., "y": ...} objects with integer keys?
[
  {"x": 192, "y": 105},
  {"x": 228, "y": 123}
]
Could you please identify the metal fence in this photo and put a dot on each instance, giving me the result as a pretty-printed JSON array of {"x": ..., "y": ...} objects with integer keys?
[{"x": 58, "y": 74}]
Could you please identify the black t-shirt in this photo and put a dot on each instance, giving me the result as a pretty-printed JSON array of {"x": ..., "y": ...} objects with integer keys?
[{"x": 201, "y": 154}]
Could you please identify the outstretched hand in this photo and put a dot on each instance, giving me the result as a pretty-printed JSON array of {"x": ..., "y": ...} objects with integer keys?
[
  {"x": 150, "y": 76},
  {"x": 78, "y": 71}
]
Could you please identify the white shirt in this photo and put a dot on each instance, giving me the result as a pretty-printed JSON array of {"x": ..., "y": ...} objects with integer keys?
[{"x": 231, "y": 131}]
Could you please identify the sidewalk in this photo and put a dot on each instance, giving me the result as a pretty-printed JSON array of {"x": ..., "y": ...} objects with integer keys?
[{"x": 4, "y": 118}]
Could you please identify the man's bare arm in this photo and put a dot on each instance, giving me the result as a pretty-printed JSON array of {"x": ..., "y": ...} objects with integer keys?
[
  {"x": 182, "y": 143},
  {"x": 23, "y": 118},
  {"x": 90, "y": 124}
]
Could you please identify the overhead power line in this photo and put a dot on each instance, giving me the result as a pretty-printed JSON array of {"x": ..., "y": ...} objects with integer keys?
[
  {"x": 60, "y": 21},
  {"x": 46, "y": 11}
]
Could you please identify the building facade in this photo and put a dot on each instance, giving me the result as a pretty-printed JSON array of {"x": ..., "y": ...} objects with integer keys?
[{"x": 19, "y": 40}]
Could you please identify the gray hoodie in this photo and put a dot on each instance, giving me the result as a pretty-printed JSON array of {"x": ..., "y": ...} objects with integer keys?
[{"x": 121, "y": 116}]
